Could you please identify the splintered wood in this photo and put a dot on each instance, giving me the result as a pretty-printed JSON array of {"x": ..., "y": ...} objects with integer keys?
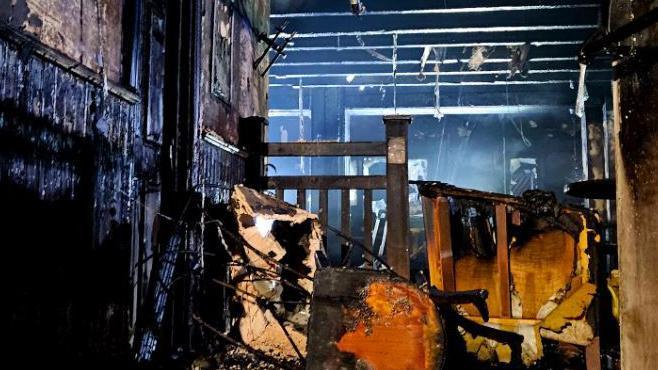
[
  {"x": 282, "y": 242},
  {"x": 364, "y": 319}
]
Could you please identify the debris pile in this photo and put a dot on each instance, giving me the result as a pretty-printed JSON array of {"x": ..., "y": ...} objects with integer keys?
[{"x": 272, "y": 273}]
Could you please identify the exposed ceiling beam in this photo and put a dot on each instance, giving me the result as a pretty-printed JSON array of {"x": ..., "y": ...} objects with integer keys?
[
  {"x": 481, "y": 9},
  {"x": 416, "y": 62},
  {"x": 430, "y": 31},
  {"x": 422, "y": 46},
  {"x": 433, "y": 84},
  {"x": 459, "y": 110},
  {"x": 427, "y": 73}
]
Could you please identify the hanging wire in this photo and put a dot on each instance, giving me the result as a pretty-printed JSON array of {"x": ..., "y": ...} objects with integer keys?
[
  {"x": 439, "y": 56},
  {"x": 395, "y": 72},
  {"x": 372, "y": 52}
]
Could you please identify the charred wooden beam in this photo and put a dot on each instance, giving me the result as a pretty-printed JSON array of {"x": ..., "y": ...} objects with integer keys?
[
  {"x": 326, "y": 182},
  {"x": 367, "y": 225},
  {"x": 438, "y": 189},
  {"x": 327, "y": 149}
]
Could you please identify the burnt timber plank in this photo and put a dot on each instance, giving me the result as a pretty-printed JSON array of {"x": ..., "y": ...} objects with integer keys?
[
  {"x": 502, "y": 256},
  {"x": 326, "y": 149},
  {"x": 367, "y": 224},
  {"x": 324, "y": 213},
  {"x": 326, "y": 182},
  {"x": 301, "y": 198},
  {"x": 280, "y": 193},
  {"x": 345, "y": 221}
]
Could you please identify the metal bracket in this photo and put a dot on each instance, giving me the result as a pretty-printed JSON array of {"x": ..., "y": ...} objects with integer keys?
[{"x": 273, "y": 45}]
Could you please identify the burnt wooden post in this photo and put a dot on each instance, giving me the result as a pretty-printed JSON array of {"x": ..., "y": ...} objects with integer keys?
[
  {"x": 252, "y": 139},
  {"x": 636, "y": 164},
  {"x": 397, "y": 193}
]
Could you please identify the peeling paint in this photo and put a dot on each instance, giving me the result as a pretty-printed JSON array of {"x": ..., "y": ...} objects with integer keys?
[{"x": 567, "y": 322}]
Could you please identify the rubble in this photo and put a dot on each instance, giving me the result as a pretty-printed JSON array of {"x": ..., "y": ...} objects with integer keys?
[
  {"x": 273, "y": 273},
  {"x": 238, "y": 358}
]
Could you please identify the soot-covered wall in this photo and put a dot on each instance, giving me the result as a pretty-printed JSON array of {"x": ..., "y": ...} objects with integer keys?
[
  {"x": 67, "y": 170},
  {"x": 85, "y": 188},
  {"x": 87, "y": 31}
]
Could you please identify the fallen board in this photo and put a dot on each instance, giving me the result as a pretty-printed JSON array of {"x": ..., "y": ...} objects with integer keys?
[{"x": 365, "y": 319}]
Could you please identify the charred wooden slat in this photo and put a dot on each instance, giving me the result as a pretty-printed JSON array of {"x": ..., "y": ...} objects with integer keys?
[
  {"x": 345, "y": 223},
  {"x": 324, "y": 213},
  {"x": 301, "y": 198},
  {"x": 280, "y": 193},
  {"x": 502, "y": 256},
  {"x": 327, "y": 182},
  {"x": 326, "y": 149},
  {"x": 367, "y": 224}
]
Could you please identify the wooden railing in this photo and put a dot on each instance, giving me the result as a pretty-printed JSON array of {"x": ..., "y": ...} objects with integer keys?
[{"x": 395, "y": 182}]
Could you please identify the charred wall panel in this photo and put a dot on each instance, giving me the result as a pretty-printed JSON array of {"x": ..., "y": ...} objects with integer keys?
[
  {"x": 66, "y": 175},
  {"x": 248, "y": 93},
  {"x": 87, "y": 31},
  {"x": 222, "y": 170}
]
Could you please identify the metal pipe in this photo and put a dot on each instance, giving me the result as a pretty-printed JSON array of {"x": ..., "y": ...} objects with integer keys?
[
  {"x": 478, "y": 9},
  {"x": 403, "y": 74},
  {"x": 417, "y": 62},
  {"x": 432, "y": 84},
  {"x": 431, "y": 31},
  {"x": 440, "y": 45}
]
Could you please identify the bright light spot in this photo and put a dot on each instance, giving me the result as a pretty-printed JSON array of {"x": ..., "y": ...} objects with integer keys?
[
  {"x": 362, "y": 88},
  {"x": 264, "y": 226},
  {"x": 350, "y": 78}
]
